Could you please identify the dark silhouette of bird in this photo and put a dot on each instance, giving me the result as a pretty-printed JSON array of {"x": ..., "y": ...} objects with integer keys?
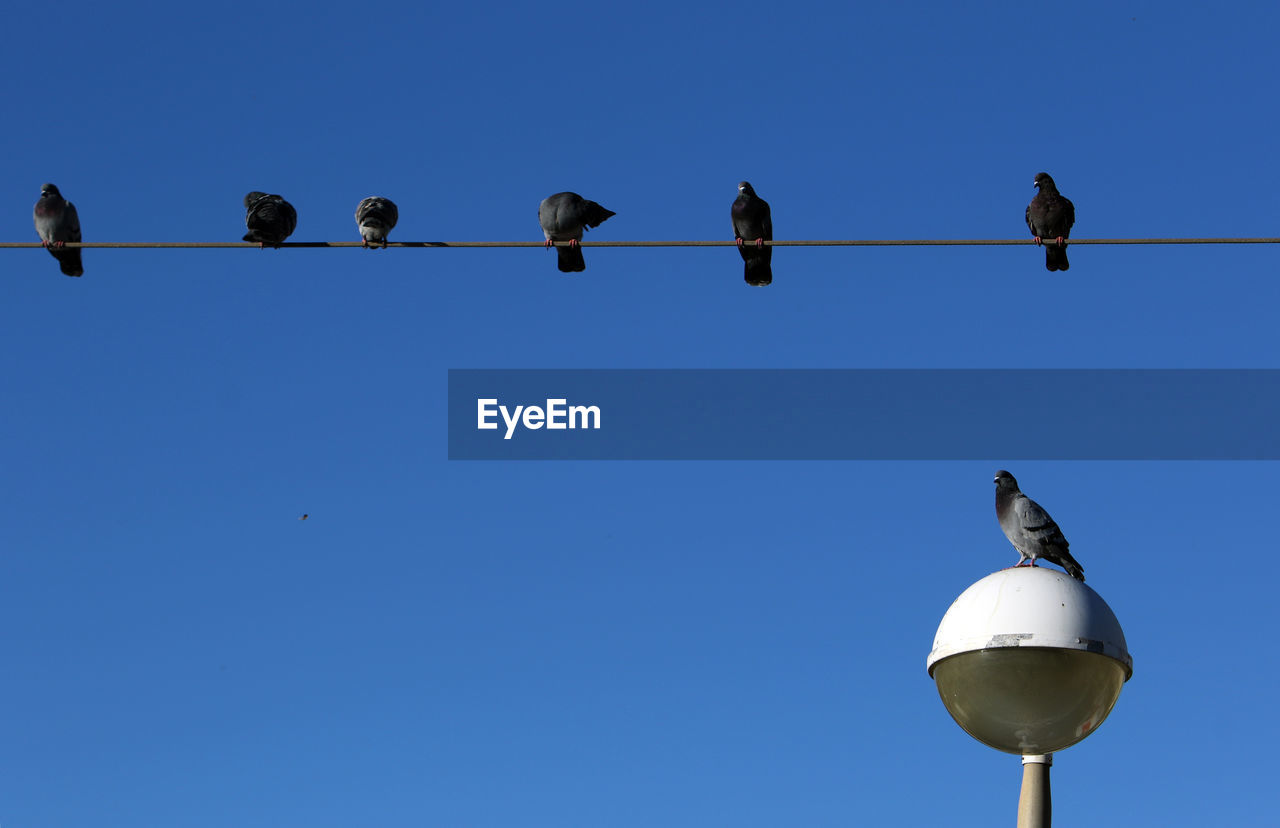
[
  {"x": 752, "y": 223},
  {"x": 270, "y": 219},
  {"x": 1050, "y": 216},
  {"x": 58, "y": 223},
  {"x": 564, "y": 217},
  {"x": 375, "y": 216}
]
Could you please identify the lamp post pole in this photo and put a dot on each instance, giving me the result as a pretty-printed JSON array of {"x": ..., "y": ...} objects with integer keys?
[{"x": 1035, "y": 805}]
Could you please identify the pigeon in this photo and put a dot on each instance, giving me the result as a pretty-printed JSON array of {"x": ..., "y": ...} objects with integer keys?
[
  {"x": 58, "y": 223},
  {"x": 1030, "y": 529},
  {"x": 1050, "y": 216},
  {"x": 751, "y": 222},
  {"x": 270, "y": 219},
  {"x": 563, "y": 217},
  {"x": 376, "y": 216}
]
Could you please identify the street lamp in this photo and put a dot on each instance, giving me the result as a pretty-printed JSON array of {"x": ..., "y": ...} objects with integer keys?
[{"x": 1030, "y": 661}]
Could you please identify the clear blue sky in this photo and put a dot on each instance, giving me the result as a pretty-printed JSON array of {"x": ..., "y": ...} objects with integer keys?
[{"x": 607, "y": 644}]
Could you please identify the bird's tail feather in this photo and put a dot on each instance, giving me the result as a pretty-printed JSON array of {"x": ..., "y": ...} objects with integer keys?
[
  {"x": 1055, "y": 258},
  {"x": 69, "y": 261},
  {"x": 569, "y": 259},
  {"x": 757, "y": 272}
]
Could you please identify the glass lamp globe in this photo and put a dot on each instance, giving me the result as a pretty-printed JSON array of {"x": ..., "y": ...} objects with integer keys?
[{"x": 1029, "y": 660}]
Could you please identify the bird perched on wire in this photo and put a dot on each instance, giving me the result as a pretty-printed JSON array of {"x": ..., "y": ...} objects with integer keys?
[
  {"x": 58, "y": 223},
  {"x": 752, "y": 223},
  {"x": 1030, "y": 529},
  {"x": 375, "y": 216},
  {"x": 564, "y": 217},
  {"x": 1050, "y": 216},
  {"x": 270, "y": 219}
]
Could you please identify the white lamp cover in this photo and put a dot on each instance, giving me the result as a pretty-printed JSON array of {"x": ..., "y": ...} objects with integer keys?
[{"x": 1030, "y": 606}]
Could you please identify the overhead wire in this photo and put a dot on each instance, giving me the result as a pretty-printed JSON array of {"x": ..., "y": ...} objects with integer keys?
[{"x": 713, "y": 243}]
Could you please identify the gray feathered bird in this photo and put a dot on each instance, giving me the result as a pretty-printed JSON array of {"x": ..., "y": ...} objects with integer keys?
[
  {"x": 1030, "y": 529},
  {"x": 270, "y": 219},
  {"x": 564, "y": 217},
  {"x": 752, "y": 223},
  {"x": 375, "y": 216},
  {"x": 58, "y": 223},
  {"x": 1050, "y": 216}
]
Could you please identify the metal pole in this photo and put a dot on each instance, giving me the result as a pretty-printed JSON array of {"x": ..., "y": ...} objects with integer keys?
[{"x": 1035, "y": 806}]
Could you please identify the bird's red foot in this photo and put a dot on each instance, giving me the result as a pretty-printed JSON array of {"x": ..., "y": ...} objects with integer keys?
[
  {"x": 1037, "y": 240},
  {"x": 737, "y": 241},
  {"x": 574, "y": 243},
  {"x": 547, "y": 244},
  {"x": 760, "y": 243},
  {"x": 1061, "y": 241},
  {"x": 364, "y": 243}
]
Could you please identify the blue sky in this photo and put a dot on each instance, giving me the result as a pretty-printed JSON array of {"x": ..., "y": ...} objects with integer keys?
[{"x": 620, "y": 644}]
